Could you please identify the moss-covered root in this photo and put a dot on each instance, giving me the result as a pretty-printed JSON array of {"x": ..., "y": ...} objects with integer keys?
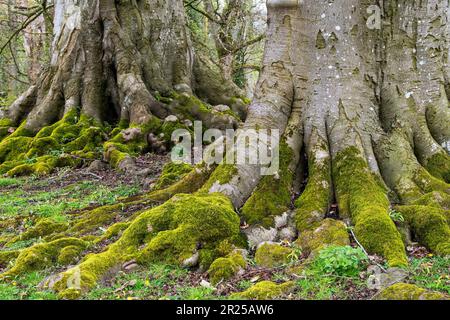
[
  {"x": 42, "y": 255},
  {"x": 223, "y": 269},
  {"x": 172, "y": 172},
  {"x": 403, "y": 173},
  {"x": 43, "y": 227},
  {"x": 439, "y": 166},
  {"x": 6, "y": 126},
  {"x": 65, "y": 143},
  {"x": 430, "y": 225},
  {"x": 361, "y": 196},
  {"x": 330, "y": 232},
  {"x": 404, "y": 291},
  {"x": 272, "y": 196},
  {"x": 189, "y": 183},
  {"x": 266, "y": 290},
  {"x": 188, "y": 230},
  {"x": 437, "y": 199},
  {"x": 315, "y": 200},
  {"x": 128, "y": 142}
]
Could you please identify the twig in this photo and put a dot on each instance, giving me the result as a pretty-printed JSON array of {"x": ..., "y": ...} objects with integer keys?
[
  {"x": 92, "y": 174},
  {"x": 361, "y": 246}
]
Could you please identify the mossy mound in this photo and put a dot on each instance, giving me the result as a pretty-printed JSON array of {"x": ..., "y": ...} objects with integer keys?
[
  {"x": 69, "y": 255},
  {"x": 361, "y": 196},
  {"x": 8, "y": 256},
  {"x": 436, "y": 199},
  {"x": 265, "y": 290},
  {"x": 226, "y": 268},
  {"x": 272, "y": 255},
  {"x": 42, "y": 228},
  {"x": 67, "y": 142},
  {"x": 430, "y": 226},
  {"x": 172, "y": 172},
  {"x": 187, "y": 230},
  {"x": 330, "y": 232},
  {"x": 41, "y": 255},
  {"x": 404, "y": 291},
  {"x": 439, "y": 166}
]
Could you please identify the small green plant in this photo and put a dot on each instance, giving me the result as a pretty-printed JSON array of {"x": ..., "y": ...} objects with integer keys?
[
  {"x": 396, "y": 216},
  {"x": 10, "y": 182},
  {"x": 32, "y": 160},
  {"x": 431, "y": 272},
  {"x": 295, "y": 254},
  {"x": 341, "y": 261},
  {"x": 244, "y": 284},
  {"x": 56, "y": 153},
  {"x": 198, "y": 293}
]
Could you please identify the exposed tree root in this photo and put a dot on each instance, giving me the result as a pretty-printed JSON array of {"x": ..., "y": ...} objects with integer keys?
[{"x": 368, "y": 143}]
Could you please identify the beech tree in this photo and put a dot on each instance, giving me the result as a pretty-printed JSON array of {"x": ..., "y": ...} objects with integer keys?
[{"x": 362, "y": 100}]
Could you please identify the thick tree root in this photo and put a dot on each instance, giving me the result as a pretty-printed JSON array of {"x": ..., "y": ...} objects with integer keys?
[
  {"x": 68, "y": 142},
  {"x": 315, "y": 200},
  {"x": 175, "y": 232},
  {"x": 351, "y": 159},
  {"x": 361, "y": 196},
  {"x": 76, "y": 138}
]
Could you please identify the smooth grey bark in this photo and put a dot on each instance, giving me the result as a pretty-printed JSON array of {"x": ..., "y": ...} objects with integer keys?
[{"x": 112, "y": 58}]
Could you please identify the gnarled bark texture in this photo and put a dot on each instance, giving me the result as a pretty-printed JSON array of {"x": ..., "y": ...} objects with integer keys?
[{"x": 124, "y": 62}]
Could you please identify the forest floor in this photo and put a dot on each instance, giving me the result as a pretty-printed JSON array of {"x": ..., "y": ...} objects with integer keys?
[{"x": 70, "y": 190}]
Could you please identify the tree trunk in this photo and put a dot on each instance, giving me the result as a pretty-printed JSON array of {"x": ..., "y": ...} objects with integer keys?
[
  {"x": 367, "y": 108},
  {"x": 115, "y": 62}
]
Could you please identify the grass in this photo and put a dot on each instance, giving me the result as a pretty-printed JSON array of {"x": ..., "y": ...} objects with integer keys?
[
  {"x": 28, "y": 199},
  {"x": 431, "y": 273},
  {"x": 318, "y": 286},
  {"x": 54, "y": 203},
  {"x": 337, "y": 273},
  {"x": 158, "y": 282},
  {"x": 26, "y": 287}
]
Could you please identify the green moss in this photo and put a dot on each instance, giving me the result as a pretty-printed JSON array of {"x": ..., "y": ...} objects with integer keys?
[
  {"x": 40, "y": 256},
  {"x": 404, "y": 291},
  {"x": 362, "y": 197},
  {"x": 272, "y": 255},
  {"x": 436, "y": 199},
  {"x": 191, "y": 182},
  {"x": 184, "y": 222},
  {"x": 93, "y": 219},
  {"x": 117, "y": 149},
  {"x": 113, "y": 231},
  {"x": 5, "y": 122},
  {"x": 8, "y": 256},
  {"x": 14, "y": 148},
  {"x": 222, "y": 175},
  {"x": 439, "y": 166},
  {"x": 329, "y": 232},
  {"x": 272, "y": 196},
  {"x": 40, "y": 166},
  {"x": 428, "y": 183},
  {"x": 42, "y": 228},
  {"x": 265, "y": 290},
  {"x": 170, "y": 233},
  {"x": 69, "y": 294},
  {"x": 315, "y": 199},
  {"x": 430, "y": 226},
  {"x": 172, "y": 172},
  {"x": 60, "y": 144},
  {"x": 69, "y": 255},
  {"x": 226, "y": 268}
]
